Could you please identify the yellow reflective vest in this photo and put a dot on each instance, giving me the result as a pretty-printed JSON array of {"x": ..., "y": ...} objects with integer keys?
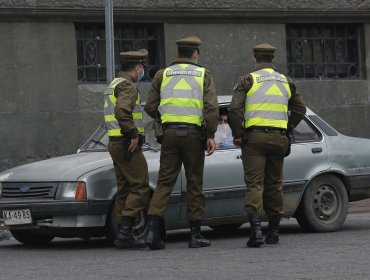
[
  {"x": 267, "y": 101},
  {"x": 110, "y": 102},
  {"x": 182, "y": 94}
]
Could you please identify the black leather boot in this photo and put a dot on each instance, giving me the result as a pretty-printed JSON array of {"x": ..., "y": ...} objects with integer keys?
[
  {"x": 272, "y": 236},
  {"x": 125, "y": 238},
  {"x": 196, "y": 239},
  {"x": 255, "y": 237},
  {"x": 154, "y": 240}
]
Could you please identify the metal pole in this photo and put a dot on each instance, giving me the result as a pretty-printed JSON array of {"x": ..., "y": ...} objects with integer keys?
[{"x": 109, "y": 40}]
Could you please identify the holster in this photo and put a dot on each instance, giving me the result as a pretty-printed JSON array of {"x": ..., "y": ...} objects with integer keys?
[
  {"x": 158, "y": 131},
  {"x": 141, "y": 139},
  {"x": 126, "y": 153},
  {"x": 290, "y": 137},
  {"x": 182, "y": 130}
]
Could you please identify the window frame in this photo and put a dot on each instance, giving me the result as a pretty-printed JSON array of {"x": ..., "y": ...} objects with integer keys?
[
  {"x": 318, "y": 47},
  {"x": 91, "y": 56}
]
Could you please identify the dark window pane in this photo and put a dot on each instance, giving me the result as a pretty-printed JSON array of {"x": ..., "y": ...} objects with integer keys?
[
  {"x": 308, "y": 51},
  {"x": 91, "y": 74},
  {"x": 309, "y": 71},
  {"x": 325, "y": 51},
  {"x": 319, "y": 51}
]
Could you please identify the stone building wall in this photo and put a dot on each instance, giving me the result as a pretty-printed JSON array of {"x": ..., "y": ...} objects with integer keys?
[{"x": 45, "y": 112}]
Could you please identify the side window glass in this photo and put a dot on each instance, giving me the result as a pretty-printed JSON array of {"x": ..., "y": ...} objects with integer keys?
[
  {"x": 304, "y": 132},
  {"x": 223, "y": 135}
]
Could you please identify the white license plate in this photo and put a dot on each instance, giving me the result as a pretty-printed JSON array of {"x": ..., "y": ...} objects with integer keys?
[{"x": 17, "y": 217}]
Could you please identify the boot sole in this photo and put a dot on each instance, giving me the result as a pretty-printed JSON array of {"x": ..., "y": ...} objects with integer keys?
[
  {"x": 152, "y": 247},
  {"x": 272, "y": 241},
  {"x": 255, "y": 244},
  {"x": 123, "y": 245},
  {"x": 198, "y": 245}
]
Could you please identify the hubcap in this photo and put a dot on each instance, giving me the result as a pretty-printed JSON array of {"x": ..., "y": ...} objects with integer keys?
[
  {"x": 325, "y": 203},
  {"x": 141, "y": 225}
]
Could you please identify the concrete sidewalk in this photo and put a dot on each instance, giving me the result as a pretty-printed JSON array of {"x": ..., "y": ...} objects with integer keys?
[{"x": 361, "y": 206}]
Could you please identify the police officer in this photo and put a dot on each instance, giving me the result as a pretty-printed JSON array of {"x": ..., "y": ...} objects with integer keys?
[
  {"x": 184, "y": 97},
  {"x": 260, "y": 121},
  {"x": 124, "y": 122}
]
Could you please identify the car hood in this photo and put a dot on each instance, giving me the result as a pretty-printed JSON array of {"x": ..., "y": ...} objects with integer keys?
[{"x": 64, "y": 168}]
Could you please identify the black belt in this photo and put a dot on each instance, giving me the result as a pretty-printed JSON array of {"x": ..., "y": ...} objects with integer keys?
[
  {"x": 177, "y": 125},
  {"x": 118, "y": 138},
  {"x": 266, "y": 129}
]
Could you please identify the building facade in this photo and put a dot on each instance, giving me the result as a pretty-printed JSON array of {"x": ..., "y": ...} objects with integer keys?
[{"x": 53, "y": 60}]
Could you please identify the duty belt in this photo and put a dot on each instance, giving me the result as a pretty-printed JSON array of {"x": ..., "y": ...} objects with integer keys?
[
  {"x": 177, "y": 125},
  {"x": 266, "y": 129}
]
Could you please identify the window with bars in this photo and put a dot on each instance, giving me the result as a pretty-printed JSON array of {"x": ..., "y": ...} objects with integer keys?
[
  {"x": 91, "y": 57},
  {"x": 325, "y": 51}
]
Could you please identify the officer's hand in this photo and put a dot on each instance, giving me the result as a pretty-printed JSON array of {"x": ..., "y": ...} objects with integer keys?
[
  {"x": 133, "y": 144},
  {"x": 211, "y": 146},
  {"x": 237, "y": 142}
]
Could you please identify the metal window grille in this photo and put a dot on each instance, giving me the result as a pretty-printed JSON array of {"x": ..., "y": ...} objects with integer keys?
[
  {"x": 325, "y": 51},
  {"x": 91, "y": 58}
]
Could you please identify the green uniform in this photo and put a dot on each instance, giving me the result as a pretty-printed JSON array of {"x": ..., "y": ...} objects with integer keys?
[
  {"x": 262, "y": 125},
  {"x": 199, "y": 112},
  {"x": 131, "y": 168}
]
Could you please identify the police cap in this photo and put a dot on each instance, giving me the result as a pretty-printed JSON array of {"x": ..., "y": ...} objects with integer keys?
[
  {"x": 264, "y": 49},
  {"x": 189, "y": 42},
  {"x": 134, "y": 56}
]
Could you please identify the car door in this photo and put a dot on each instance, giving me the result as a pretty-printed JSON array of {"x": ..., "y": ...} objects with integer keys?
[
  {"x": 308, "y": 157},
  {"x": 223, "y": 184}
]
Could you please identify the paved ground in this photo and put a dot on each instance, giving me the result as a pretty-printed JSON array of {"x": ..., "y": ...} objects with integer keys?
[{"x": 339, "y": 255}]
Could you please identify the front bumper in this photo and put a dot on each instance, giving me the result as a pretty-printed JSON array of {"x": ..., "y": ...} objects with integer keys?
[{"x": 52, "y": 213}]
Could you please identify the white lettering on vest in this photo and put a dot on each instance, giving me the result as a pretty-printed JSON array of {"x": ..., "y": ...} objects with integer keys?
[
  {"x": 271, "y": 78},
  {"x": 184, "y": 72}
]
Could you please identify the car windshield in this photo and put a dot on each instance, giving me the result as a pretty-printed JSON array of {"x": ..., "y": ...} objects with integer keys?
[{"x": 98, "y": 141}]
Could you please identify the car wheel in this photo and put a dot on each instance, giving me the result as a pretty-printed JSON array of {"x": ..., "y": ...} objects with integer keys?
[
  {"x": 140, "y": 228},
  {"x": 31, "y": 237},
  {"x": 226, "y": 227},
  {"x": 324, "y": 205}
]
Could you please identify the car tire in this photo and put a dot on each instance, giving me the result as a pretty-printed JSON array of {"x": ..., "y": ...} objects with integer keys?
[
  {"x": 140, "y": 229},
  {"x": 31, "y": 237},
  {"x": 226, "y": 227},
  {"x": 324, "y": 205}
]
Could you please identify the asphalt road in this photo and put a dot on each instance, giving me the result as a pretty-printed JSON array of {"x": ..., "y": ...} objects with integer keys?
[{"x": 339, "y": 255}]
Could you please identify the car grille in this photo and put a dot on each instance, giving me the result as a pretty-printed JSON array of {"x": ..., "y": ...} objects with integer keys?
[{"x": 28, "y": 190}]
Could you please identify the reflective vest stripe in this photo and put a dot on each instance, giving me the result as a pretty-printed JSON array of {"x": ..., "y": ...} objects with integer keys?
[
  {"x": 110, "y": 102},
  {"x": 267, "y": 100},
  {"x": 266, "y": 107},
  {"x": 182, "y": 111},
  {"x": 182, "y": 94}
]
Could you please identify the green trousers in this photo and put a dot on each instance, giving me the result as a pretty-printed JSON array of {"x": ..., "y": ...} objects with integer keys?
[
  {"x": 132, "y": 180},
  {"x": 263, "y": 159},
  {"x": 175, "y": 151}
]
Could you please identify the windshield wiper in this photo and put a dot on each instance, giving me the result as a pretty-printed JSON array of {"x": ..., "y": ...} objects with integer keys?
[{"x": 99, "y": 142}]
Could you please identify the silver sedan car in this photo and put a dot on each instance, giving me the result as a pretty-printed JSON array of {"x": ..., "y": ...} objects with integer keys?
[{"x": 73, "y": 195}]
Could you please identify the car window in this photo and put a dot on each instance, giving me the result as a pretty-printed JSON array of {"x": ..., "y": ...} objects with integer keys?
[
  {"x": 305, "y": 132},
  {"x": 223, "y": 135}
]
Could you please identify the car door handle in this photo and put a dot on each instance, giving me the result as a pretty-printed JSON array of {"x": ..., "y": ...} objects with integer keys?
[
  {"x": 316, "y": 150},
  {"x": 239, "y": 157}
]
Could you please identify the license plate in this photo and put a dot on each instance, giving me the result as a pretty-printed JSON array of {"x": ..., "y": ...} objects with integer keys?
[{"x": 17, "y": 217}]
